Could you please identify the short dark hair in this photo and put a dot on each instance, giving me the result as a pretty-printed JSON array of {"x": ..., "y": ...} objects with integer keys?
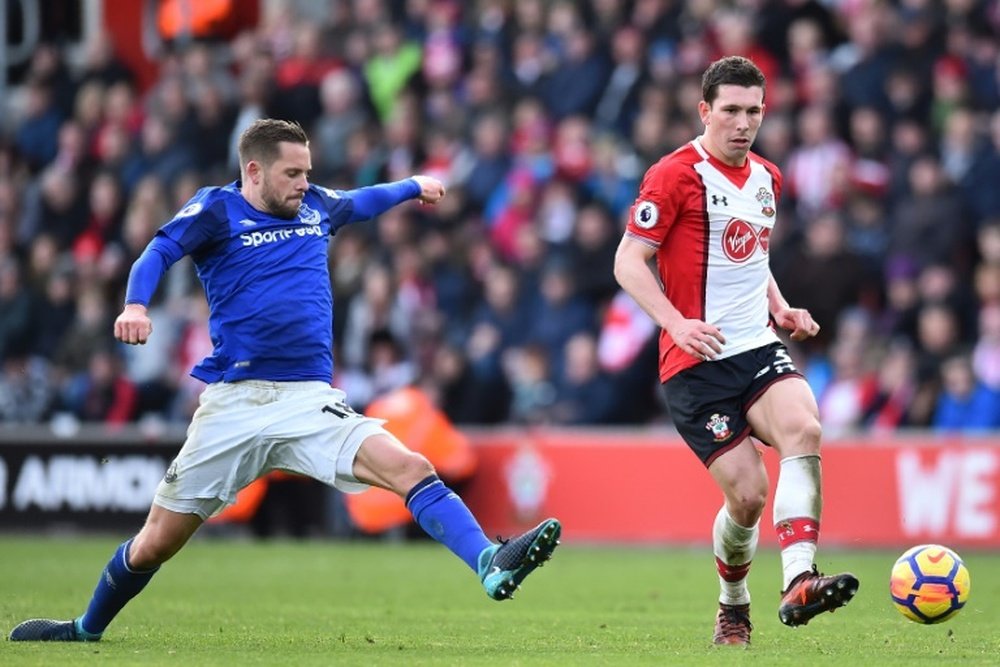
[
  {"x": 260, "y": 140},
  {"x": 731, "y": 70}
]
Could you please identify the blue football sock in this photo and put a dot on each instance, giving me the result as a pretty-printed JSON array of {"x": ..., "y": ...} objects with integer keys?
[
  {"x": 444, "y": 516},
  {"x": 118, "y": 584}
]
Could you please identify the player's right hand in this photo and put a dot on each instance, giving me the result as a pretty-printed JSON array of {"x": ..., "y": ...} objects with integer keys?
[
  {"x": 701, "y": 340},
  {"x": 431, "y": 189},
  {"x": 133, "y": 326}
]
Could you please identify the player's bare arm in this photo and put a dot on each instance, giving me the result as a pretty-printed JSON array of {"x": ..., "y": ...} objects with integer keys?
[
  {"x": 696, "y": 337},
  {"x": 797, "y": 320},
  {"x": 133, "y": 326},
  {"x": 431, "y": 189}
]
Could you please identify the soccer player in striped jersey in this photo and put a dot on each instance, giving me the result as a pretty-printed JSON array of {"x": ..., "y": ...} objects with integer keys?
[
  {"x": 705, "y": 213},
  {"x": 260, "y": 248}
]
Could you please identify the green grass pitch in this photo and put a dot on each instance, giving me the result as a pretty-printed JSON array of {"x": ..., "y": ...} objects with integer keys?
[{"x": 234, "y": 602}]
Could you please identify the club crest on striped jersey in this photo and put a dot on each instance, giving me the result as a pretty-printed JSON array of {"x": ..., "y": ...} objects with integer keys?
[
  {"x": 766, "y": 201},
  {"x": 645, "y": 214}
]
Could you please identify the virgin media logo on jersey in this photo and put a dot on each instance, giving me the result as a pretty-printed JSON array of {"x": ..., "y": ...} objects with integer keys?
[{"x": 739, "y": 240}]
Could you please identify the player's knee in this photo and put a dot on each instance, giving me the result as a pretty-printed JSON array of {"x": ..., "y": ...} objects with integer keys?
[
  {"x": 746, "y": 501},
  {"x": 811, "y": 433},
  {"x": 406, "y": 470},
  {"x": 417, "y": 468},
  {"x": 149, "y": 551}
]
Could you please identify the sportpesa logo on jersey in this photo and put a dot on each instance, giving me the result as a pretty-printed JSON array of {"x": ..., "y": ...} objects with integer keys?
[
  {"x": 645, "y": 214},
  {"x": 256, "y": 239}
]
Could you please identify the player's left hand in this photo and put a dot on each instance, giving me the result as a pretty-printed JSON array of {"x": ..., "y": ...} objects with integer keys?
[
  {"x": 798, "y": 321},
  {"x": 431, "y": 189}
]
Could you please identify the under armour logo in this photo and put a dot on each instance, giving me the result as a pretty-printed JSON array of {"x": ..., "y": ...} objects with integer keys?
[{"x": 716, "y": 199}]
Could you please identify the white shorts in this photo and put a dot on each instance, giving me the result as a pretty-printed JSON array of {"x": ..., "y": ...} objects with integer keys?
[{"x": 243, "y": 430}]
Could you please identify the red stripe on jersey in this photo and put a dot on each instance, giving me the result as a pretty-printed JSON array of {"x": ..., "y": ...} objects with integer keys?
[{"x": 800, "y": 529}]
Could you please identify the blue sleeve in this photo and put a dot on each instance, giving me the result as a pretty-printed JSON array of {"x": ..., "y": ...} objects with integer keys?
[
  {"x": 161, "y": 253},
  {"x": 375, "y": 199}
]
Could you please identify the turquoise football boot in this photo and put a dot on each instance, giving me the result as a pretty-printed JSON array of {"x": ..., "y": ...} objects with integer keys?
[{"x": 502, "y": 567}]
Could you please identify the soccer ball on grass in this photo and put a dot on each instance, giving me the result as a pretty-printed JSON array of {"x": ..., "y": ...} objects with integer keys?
[{"x": 929, "y": 583}]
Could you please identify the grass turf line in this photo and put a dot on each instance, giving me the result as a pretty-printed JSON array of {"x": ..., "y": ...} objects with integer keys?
[{"x": 222, "y": 602}]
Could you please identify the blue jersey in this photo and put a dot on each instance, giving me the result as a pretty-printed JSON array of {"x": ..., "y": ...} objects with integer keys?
[{"x": 266, "y": 279}]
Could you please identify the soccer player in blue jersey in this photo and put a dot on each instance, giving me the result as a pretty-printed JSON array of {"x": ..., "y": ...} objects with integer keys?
[{"x": 260, "y": 248}]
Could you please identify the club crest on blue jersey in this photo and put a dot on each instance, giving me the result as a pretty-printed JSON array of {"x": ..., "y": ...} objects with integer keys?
[{"x": 308, "y": 216}]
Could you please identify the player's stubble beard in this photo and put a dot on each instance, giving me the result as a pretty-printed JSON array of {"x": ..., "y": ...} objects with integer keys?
[{"x": 278, "y": 206}]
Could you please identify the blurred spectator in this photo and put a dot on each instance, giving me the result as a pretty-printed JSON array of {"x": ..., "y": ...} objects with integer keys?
[
  {"x": 558, "y": 315},
  {"x": 938, "y": 339},
  {"x": 533, "y": 391},
  {"x": 591, "y": 255},
  {"x": 983, "y": 198},
  {"x": 889, "y": 407},
  {"x": 965, "y": 403},
  {"x": 91, "y": 331},
  {"x": 101, "y": 64},
  {"x": 928, "y": 225},
  {"x": 584, "y": 393},
  {"x": 851, "y": 388},
  {"x": 37, "y": 133},
  {"x": 27, "y": 390},
  {"x": 577, "y": 79},
  {"x": 902, "y": 300},
  {"x": 615, "y": 174},
  {"x": 16, "y": 327},
  {"x": 106, "y": 212},
  {"x": 818, "y": 169},
  {"x": 986, "y": 353},
  {"x": 490, "y": 158},
  {"x": 298, "y": 76},
  {"x": 390, "y": 68},
  {"x": 101, "y": 393},
  {"x": 342, "y": 115},
  {"x": 54, "y": 205},
  {"x": 541, "y": 116},
  {"x": 55, "y": 312},
  {"x": 823, "y": 276},
  {"x": 867, "y": 231},
  {"x": 617, "y": 105},
  {"x": 497, "y": 325},
  {"x": 159, "y": 154},
  {"x": 377, "y": 307}
]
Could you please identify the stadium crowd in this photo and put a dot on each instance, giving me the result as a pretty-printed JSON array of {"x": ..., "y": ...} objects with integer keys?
[{"x": 541, "y": 117}]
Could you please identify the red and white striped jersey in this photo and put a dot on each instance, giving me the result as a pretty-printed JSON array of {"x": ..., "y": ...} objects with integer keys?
[{"x": 710, "y": 224}]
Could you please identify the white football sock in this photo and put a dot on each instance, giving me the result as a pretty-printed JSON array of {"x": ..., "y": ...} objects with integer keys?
[
  {"x": 734, "y": 547},
  {"x": 798, "y": 503}
]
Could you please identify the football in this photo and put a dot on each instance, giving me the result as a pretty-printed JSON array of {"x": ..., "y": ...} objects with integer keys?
[{"x": 929, "y": 583}]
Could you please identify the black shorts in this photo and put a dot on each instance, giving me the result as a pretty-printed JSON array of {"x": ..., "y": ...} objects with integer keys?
[{"x": 709, "y": 402}]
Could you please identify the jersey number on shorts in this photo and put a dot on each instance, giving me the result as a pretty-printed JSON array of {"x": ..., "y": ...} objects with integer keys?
[
  {"x": 342, "y": 410},
  {"x": 783, "y": 362}
]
